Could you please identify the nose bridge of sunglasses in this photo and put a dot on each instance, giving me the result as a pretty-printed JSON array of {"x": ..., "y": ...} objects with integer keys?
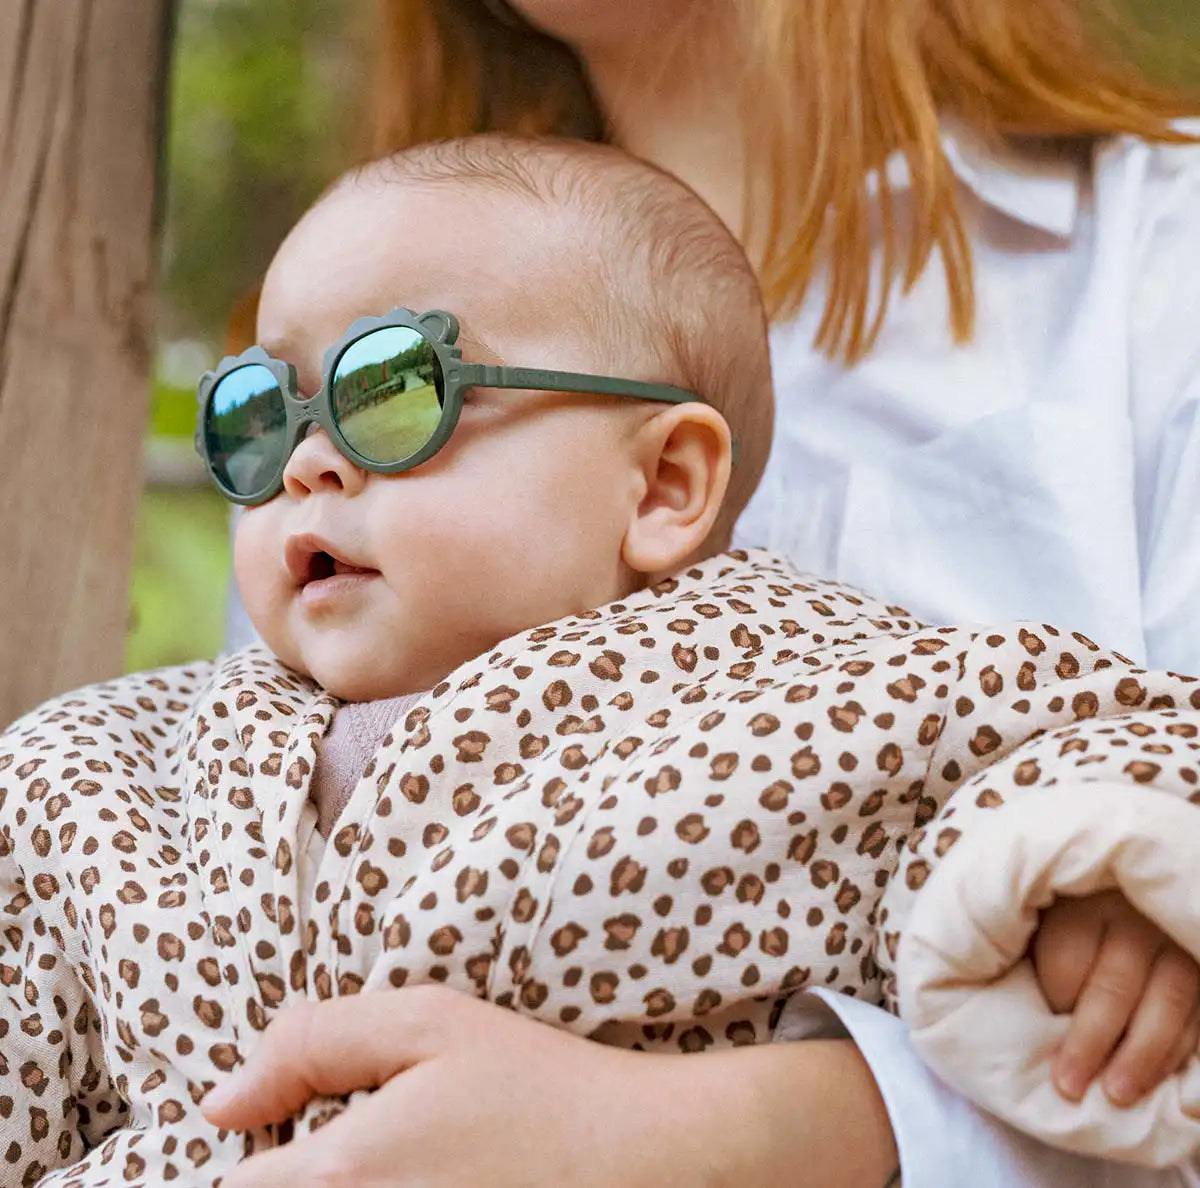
[
  {"x": 305, "y": 411},
  {"x": 306, "y": 422}
]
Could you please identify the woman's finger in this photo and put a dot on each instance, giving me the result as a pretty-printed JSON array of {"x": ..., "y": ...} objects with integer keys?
[
  {"x": 1106, "y": 1003},
  {"x": 1161, "y": 1020},
  {"x": 329, "y": 1049},
  {"x": 345, "y": 1152}
]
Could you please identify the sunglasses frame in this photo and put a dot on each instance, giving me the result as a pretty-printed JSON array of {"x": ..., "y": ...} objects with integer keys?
[{"x": 440, "y": 329}]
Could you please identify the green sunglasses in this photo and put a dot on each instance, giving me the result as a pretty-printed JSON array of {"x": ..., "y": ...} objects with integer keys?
[{"x": 391, "y": 398}]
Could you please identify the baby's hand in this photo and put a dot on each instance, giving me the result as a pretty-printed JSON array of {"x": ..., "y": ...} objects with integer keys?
[{"x": 1134, "y": 994}]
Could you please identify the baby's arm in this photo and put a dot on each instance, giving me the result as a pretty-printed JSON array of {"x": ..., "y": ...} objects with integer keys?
[
  {"x": 1077, "y": 811},
  {"x": 1060, "y": 772}
]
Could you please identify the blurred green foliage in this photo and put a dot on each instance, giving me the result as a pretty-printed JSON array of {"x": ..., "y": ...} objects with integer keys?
[
  {"x": 262, "y": 117},
  {"x": 1163, "y": 35},
  {"x": 180, "y": 571},
  {"x": 172, "y": 411}
]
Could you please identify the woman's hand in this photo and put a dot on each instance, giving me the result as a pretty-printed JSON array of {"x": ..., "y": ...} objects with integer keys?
[{"x": 468, "y": 1092}]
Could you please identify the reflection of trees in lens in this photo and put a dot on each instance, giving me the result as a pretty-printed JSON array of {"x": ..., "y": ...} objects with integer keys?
[
  {"x": 267, "y": 414},
  {"x": 239, "y": 435},
  {"x": 263, "y": 412},
  {"x": 372, "y": 383}
]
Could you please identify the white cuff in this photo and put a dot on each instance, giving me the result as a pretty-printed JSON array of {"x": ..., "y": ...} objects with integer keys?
[{"x": 943, "y": 1140}]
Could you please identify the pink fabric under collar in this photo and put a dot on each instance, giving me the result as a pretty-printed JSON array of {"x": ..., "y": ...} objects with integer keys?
[{"x": 355, "y": 734}]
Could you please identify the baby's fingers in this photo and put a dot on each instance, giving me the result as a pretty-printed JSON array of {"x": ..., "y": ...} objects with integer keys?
[
  {"x": 1106, "y": 1004},
  {"x": 1185, "y": 1048},
  {"x": 1163, "y": 1019},
  {"x": 1064, "y": 947}
]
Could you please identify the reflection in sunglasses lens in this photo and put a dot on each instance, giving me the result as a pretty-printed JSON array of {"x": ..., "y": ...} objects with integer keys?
[
  {"x": 387, "y": 393},
  {"x": 245, "y": 429}
]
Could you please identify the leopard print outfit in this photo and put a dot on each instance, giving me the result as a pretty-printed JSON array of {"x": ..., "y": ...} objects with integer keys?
[{"x": 649, "y": 824}]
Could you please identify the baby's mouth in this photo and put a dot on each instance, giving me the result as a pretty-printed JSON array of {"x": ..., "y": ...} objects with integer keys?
[{"x": 311, "y": 559}]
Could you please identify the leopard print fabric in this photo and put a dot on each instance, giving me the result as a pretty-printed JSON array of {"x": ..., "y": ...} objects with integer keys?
[{"x": 649, "y": 824}]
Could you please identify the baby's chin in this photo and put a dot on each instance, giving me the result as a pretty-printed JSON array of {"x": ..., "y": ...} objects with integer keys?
[
  {"x": 349, "y": 682},
  {"x": 348, "y": 675},
  {"x": 376, "y": 665}
]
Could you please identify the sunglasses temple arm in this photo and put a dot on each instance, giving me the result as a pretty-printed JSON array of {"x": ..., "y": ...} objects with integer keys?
[{"x": 477, "y": 375}]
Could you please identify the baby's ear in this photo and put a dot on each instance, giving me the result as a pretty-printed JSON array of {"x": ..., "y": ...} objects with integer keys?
[{"x": 684, "y": 454}]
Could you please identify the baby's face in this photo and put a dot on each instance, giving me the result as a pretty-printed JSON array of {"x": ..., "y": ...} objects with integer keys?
[{"x": 380, "y": 585}]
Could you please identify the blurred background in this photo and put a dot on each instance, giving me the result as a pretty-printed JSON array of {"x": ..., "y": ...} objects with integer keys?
[
  {"x": 266, "y": 107},
  {"x": 268, "y": 103}
]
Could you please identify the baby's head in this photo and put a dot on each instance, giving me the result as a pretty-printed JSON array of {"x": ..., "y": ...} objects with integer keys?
[{"x": 550, "y": 255}]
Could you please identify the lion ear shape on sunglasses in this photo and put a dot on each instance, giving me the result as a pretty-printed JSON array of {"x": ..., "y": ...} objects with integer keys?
[{"x": 391, "y": 396}]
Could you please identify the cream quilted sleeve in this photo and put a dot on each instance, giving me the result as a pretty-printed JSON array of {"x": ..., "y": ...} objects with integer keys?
[{"x": 1105, "y": 794}]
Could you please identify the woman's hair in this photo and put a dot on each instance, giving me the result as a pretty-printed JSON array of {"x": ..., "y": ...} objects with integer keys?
[{"x": 838, "y": 87}]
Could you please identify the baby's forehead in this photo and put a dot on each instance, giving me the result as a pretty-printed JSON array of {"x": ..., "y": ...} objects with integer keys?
[
  {"x": 452, "y": 235},
  {"x": 505, "y": 268}
]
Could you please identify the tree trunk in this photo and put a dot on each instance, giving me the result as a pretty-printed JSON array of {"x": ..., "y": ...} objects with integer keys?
[{"x": 81, "y": 112}]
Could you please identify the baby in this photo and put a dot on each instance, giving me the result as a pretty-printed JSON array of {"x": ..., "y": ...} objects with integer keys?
[{"x": 527, "y": 729}]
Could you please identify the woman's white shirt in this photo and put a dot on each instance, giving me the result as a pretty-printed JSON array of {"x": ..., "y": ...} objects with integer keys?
[{"x": 1048, "y": 470}]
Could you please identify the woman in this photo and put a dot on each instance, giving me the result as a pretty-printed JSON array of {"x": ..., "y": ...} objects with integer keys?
[{"x": 980, "y": 239}]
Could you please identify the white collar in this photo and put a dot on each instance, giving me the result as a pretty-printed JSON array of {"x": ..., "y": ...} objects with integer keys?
[{"x": 1040, "y": 187}]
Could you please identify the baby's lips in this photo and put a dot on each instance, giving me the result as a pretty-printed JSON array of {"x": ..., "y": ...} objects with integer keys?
[{"x": 309, "y": 557}]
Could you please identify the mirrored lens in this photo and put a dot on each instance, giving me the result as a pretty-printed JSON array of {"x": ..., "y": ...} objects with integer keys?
[
  {"x": 245, "y": 429},
  {"x": 387, "y": 393}
]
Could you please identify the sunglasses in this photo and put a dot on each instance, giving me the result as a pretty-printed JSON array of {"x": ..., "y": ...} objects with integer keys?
[{"x": 392, "y": 393}]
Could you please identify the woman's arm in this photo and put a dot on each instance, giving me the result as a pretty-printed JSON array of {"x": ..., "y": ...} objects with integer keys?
[
  {"x": 471, "y": 1093},
  {"x": 468, "y": 1092}
]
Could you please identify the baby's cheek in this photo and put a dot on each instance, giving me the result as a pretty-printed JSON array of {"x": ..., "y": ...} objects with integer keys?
[{"x": 256, "y": 568}]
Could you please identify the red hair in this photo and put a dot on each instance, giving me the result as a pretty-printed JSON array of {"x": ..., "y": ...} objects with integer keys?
[{"x": 838, "y": 87}]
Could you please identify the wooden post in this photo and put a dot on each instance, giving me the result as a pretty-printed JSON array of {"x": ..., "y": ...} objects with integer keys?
[{"x": 81, "y": 113}]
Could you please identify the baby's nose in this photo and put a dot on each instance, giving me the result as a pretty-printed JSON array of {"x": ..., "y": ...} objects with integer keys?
[{"x": 317, "y": 465}]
